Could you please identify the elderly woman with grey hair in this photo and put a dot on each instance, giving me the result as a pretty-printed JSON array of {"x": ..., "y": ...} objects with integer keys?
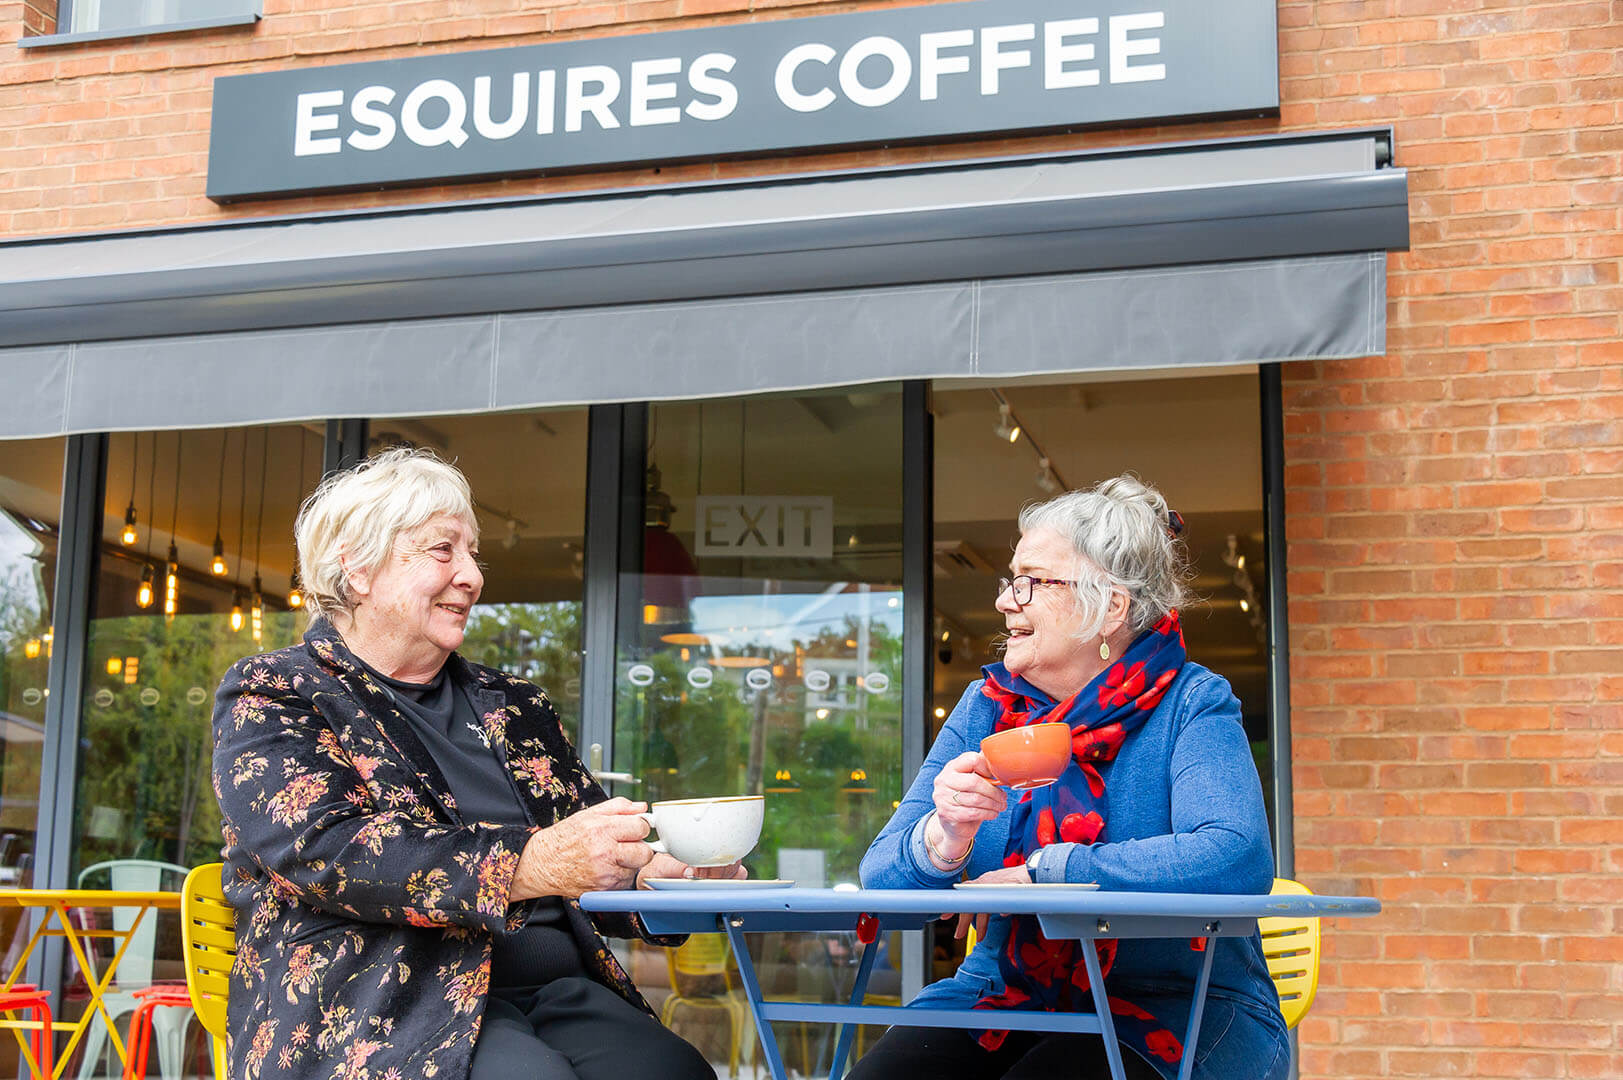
[
  {"x": 406, "y": 833},
  {"x": 1160, "y": 795}
]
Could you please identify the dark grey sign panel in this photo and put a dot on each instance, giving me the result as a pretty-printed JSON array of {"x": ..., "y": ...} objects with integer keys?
[{"x": 935, "y": 72}]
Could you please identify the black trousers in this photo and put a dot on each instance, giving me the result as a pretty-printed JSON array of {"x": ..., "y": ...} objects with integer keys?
[
  {"x": 576, "y": 1029},
  {"x": 950, "y": 1054}
]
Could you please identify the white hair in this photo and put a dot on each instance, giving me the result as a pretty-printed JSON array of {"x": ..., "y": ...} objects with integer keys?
[
  {"x": 1124, "y": 538},
  {"x": 355, "y": 515}
]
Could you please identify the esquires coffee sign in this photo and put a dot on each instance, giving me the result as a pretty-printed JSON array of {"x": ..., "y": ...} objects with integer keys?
[{"x": 935, "y": 72}]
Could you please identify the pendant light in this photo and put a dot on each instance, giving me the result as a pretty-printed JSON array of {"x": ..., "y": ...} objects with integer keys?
[
  {"x": 171, "y": 583},
  {"x": 171, "y": 578},
  {"x": 256, "y": 611},
  {"x": 217, "y": 564},
  {"x": 237, "y": 599},
  {"x": 295, "y": 595},
  {"x": 129, "y": 536},
  {"x": 144, "y": 591}
]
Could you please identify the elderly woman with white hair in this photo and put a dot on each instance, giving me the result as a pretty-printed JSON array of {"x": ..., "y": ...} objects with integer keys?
[
  {"x": 1160, "y": 795},
  {"x": 406, "y": 833}
]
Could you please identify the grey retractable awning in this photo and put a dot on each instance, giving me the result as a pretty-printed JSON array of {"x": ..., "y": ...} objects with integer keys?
[{"x": 1203, "y": 253}]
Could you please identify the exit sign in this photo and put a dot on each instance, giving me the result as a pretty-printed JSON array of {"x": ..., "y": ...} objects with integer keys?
[{"x": 771, "y": 525}]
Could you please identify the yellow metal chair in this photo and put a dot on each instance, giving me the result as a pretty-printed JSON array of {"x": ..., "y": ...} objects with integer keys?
[
  {"x": 704, "y": 957},
  {"x": 208, "y": 927},
  {"x": 1291, "y": 947}
]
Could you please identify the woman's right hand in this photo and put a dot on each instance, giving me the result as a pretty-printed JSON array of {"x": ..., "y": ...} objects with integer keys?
[
  {"x": 964, "y": 798},
  {"x": 599, "y": 847}
]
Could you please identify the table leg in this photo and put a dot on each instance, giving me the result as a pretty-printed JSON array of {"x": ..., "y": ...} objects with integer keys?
[
  {"x": 752, "y": 993},
  {"x": 1101, "y": 1005},
  {"x": 1198, "y": 1007},
  {"x": 858, "y": 992}
]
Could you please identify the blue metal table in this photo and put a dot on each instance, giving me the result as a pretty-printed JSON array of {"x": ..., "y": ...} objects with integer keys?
[{"x": 1083, "y": 915}]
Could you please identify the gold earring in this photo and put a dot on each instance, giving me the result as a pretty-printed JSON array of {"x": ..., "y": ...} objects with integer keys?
[{"x": 1104, "y": 650}]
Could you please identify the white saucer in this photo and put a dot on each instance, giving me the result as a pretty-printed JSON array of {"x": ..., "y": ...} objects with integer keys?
[
  {"x": 677, "y": 883},
  {"x": 1025, "y": 885}
]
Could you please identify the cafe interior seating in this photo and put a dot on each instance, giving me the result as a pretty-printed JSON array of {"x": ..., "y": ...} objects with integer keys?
[{"x": 135, "y": 968}]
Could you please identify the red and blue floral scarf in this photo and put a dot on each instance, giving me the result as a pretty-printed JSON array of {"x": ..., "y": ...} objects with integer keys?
[{"x": 1039, "y": 974}]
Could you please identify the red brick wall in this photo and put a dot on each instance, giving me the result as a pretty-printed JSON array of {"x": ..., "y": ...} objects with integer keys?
[
  {"x": 1455, "y": 517},
  {"x": 1455, "y": 510}
]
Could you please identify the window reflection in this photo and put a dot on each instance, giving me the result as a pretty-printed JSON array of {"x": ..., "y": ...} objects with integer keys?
[
  {"x": 194, "y": 571},
  {"x": 30, "y": 503},
  {"x": 760, "y": 652}
]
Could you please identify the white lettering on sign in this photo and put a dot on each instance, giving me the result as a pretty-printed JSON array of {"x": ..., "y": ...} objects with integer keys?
[
  {"x": 1122, "y": 48},
  {"x": 306, "y": 123},
  {"x": 874, "y": 72},
  {"x": 764, "y": 525},
  {"x": 448, "y": 130}
]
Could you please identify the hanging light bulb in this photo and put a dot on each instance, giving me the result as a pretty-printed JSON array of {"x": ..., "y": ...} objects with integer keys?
[
  {"x": 171, "y": 583},
  {"x": 129, "y": 536},
  {"x": 217, "y": 564},
  {"x": 295, "y": 595},
  {"x": 1006, "y": 428},
  {"x": 256, "y": 613},
  {"x": 143, "y": 593},
  {"x": 236, "y": 610}
]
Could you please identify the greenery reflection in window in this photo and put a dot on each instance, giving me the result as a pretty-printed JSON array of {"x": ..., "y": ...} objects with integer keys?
[{"x": 206, "y": 578}]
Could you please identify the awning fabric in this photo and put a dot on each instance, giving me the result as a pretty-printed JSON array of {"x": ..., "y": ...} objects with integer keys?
[{"x": 1210, "y": 253}]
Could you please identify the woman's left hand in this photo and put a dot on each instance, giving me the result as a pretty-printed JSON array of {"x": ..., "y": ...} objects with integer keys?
[
  {"x": 666, "y": 866},
  {"x": 1008, "y": 875}
]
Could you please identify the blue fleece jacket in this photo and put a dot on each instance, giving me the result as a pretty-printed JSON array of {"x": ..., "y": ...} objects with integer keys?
[{"x": 1185, "y": 815}]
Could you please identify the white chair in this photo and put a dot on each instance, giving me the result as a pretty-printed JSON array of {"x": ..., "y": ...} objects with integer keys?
[{"x": 135, "y": 969}]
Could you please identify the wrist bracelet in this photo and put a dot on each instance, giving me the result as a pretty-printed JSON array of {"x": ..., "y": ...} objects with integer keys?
[{"x": 940, "y": 859}]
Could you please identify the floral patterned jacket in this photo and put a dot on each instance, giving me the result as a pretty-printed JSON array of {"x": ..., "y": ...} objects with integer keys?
[{"x": 366, "y": 907}]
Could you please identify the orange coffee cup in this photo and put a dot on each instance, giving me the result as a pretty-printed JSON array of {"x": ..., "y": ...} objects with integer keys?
[{"x": 1029, "y": 756}]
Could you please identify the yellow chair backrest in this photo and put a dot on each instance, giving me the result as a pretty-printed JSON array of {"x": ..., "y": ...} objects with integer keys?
[
  {"x": 699, "y": 956},
  {"x": 208, "y": 928},
  {"x": 1291, "y": 947}
]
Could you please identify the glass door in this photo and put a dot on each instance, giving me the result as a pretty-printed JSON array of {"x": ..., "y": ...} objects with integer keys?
[{"x": 759, "y": 651}]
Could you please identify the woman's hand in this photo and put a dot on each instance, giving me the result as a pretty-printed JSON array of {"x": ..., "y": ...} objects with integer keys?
[
  {"x": 598, "y": 848},
  {"x": 1008, "y": 875},
  {"x": 964, "y": 798},
  {"x": 667, "y": 866}
]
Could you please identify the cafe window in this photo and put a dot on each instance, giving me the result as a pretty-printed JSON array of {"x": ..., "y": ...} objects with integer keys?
[
  {"x": 30, "y": 509},
  {"x": 1197, "y": 439},
  {"x": 759, "y": 652},
  {"x": 194, "y": 569}
]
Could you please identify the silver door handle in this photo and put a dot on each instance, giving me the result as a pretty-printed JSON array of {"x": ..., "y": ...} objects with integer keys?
[{"x": 594, "y": 762}]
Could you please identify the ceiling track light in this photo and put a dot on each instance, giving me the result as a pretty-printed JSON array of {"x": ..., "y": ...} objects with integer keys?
[{"x": 1009, "y": 429}]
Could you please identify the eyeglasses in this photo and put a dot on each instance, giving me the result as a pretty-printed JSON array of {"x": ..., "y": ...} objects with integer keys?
[{"x": 1024, "y": 583}]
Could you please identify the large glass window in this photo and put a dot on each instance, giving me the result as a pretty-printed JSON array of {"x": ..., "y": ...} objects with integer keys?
[
  {"x": 30, "y": 508},
  {"x": 760, "y": 653},
  {"x": 1197, "y": 439},
  {"x": 194, "y": 570}
]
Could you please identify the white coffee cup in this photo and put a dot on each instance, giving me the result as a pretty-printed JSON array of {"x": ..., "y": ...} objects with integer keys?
[{"x": 707, "y": 832}]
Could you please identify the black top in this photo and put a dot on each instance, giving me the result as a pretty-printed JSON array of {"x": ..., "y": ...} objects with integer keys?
[{"x": 443, "y": 717}]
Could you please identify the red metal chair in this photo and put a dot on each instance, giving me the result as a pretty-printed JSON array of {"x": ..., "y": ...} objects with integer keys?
[
  {"x": 26, "y": 998},
  {"x": 149, "y": 999}
]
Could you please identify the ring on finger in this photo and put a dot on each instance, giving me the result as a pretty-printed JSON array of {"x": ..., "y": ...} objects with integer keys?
[{"x": 956, "y": 801}]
